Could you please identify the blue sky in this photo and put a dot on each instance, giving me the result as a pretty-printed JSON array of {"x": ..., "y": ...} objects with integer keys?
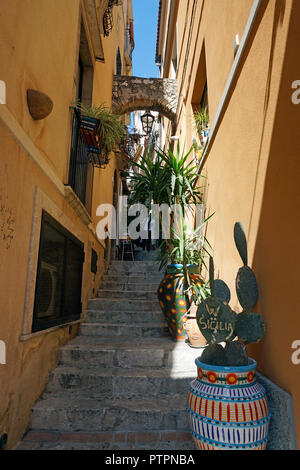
[{"x": 145, "y": 14}]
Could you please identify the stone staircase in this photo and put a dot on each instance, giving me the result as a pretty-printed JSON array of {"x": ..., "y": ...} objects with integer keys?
[{"x": 122, "y": 383}]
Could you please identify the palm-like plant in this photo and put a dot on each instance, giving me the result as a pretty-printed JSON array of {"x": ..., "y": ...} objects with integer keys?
[
  {"x": 183, "y": 177},
  {"x": 187, "y": 246},
  {"x": 151, "y": 184}
]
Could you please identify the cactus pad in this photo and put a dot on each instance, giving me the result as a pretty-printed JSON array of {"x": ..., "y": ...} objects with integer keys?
[
  {"x": 241, "y": 242},
  {"x": 246, "y": 288},
  {"x": 235, "y": 354},
  {"x": 213, "y": 354},
  {"x": 216, "y": 320},
  {"x": 222, "y": 291},
  {"x": 249, "y": 327}
]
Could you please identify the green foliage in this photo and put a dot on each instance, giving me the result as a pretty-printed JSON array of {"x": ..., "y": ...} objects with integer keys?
[
  {"x": 201, "y": 117},
  {"x": 152, "y": 184},
  {"x": 183, "y": 177},
  {"x": 185, "y": 246},
  {"x": 110, "y": 128}
]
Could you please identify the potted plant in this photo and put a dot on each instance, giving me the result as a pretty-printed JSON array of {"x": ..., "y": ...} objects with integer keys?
[
  {"x": 227, "y": 408},
  {"x": 101, "y": 130},
  {"x": 201, "y": 117},
  {"x": 170, "y": 178},
  {"x": 183, "y": 255}
]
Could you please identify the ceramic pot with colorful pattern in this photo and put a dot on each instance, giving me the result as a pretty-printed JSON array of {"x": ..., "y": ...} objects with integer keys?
[
  {"x": 172, "y": 299},
  {"x": 228, "y": 409}
]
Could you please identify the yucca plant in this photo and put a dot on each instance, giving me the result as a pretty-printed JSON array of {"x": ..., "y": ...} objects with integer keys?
[
  {"x": 183, "y": 177},
  {"x": 152, "y": 183},
  {"x": 110, "y": 128},
  {"x": 186, "y": 246}
]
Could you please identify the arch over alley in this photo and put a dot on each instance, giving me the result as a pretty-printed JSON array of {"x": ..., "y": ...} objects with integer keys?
[{"x": 151, "y": 94}]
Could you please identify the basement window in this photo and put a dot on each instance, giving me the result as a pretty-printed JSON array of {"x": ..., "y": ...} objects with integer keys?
[{"x": 59, "y": 276}]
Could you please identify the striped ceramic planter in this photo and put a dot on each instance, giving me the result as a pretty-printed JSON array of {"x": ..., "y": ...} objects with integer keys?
[
  {"x": 172, "y": 299},
  {"x": 228, "y": 409}
]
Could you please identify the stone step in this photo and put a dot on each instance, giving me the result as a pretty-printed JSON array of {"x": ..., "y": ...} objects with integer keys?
[
  {"x": 127, "y": 352},
  {"x": 149, "y": 440},
  {"x": 135, "y": 265},
  {"x": 121, "y": 294},
  {"x": 129, "y": 263},
  {"x": 117, "y": 383},
  {"x": 119, "y": 316},
  {"x": 133, "y": 279},
  {"x": 124, "y": 304},
  {"x": 129, "y": 287},
  {"x": 143, "y": 330},
  {"x": 69, "y": 412}
]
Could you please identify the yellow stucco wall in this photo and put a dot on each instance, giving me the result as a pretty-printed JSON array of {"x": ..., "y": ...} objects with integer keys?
[
  {"x": 253, "y": 162},
  {"x": 39, "y": 45}
]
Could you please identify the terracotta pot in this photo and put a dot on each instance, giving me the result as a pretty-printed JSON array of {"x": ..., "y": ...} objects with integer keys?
[
  {"x": 228, "y": 409},
  {"x": 195, "y": 337},
  {"x": 172, "y": 299}
]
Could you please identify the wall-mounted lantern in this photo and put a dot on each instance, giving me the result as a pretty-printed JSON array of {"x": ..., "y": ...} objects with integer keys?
[{"x": 147, "y": 122}]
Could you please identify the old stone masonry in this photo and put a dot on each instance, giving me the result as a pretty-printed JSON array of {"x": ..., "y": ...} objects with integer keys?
[{"x": 122, "y": 383}]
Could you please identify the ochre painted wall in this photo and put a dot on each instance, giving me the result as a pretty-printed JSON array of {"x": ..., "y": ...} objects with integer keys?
[
  {"x": 39, "y": 47},
  {"x": 253, "y": 164}
]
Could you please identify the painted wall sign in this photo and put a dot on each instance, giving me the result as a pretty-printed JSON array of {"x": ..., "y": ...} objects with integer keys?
[{"x": 216, "y": 320}]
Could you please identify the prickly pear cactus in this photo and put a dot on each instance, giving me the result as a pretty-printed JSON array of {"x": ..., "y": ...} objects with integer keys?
[
  {"x": 241, "y": 242},
  {"x": 219, "y": 324},
  {"x": 246, "y": 288},
  {"x": 222, "y": 291}
]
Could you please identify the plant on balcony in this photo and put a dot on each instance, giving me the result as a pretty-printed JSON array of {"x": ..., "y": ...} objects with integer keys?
[
  {"x": 101, "y": 130},
  {"x": 201, "y": 117},
  {"x": 225, "y": 372}
]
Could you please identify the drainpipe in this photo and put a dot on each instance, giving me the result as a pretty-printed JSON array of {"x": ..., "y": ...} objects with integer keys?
[{"x": 244, "y": 41}]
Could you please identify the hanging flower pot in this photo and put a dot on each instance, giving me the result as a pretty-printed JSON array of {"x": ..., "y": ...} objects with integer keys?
[
  {"x": 227, "y": 408},
  {"x": 172, "y": 298},
  {"x": 88, "y": 130}
]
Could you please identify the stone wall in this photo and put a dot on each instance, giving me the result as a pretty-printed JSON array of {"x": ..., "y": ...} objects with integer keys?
[{"x": 137, "y": 93}]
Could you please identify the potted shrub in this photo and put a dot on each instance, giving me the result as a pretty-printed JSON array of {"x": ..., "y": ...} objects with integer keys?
[
  {"x": 202, "y": 124},
  {"x": 183, "y": 256},
  {"x": 227, "y": 408},
  {"x": 101, "y": 130},
  {"x": 169, "y": 178}
]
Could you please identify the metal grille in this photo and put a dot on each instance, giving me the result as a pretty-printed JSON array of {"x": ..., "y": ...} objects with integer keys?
[{"x": 79, "y": 161}]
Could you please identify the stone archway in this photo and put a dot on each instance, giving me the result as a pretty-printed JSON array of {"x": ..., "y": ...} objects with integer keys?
[{"x": 138, "y": 93}]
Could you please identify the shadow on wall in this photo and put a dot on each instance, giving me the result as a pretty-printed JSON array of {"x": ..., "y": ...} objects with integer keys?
[{"x": 276, "y": 255}]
